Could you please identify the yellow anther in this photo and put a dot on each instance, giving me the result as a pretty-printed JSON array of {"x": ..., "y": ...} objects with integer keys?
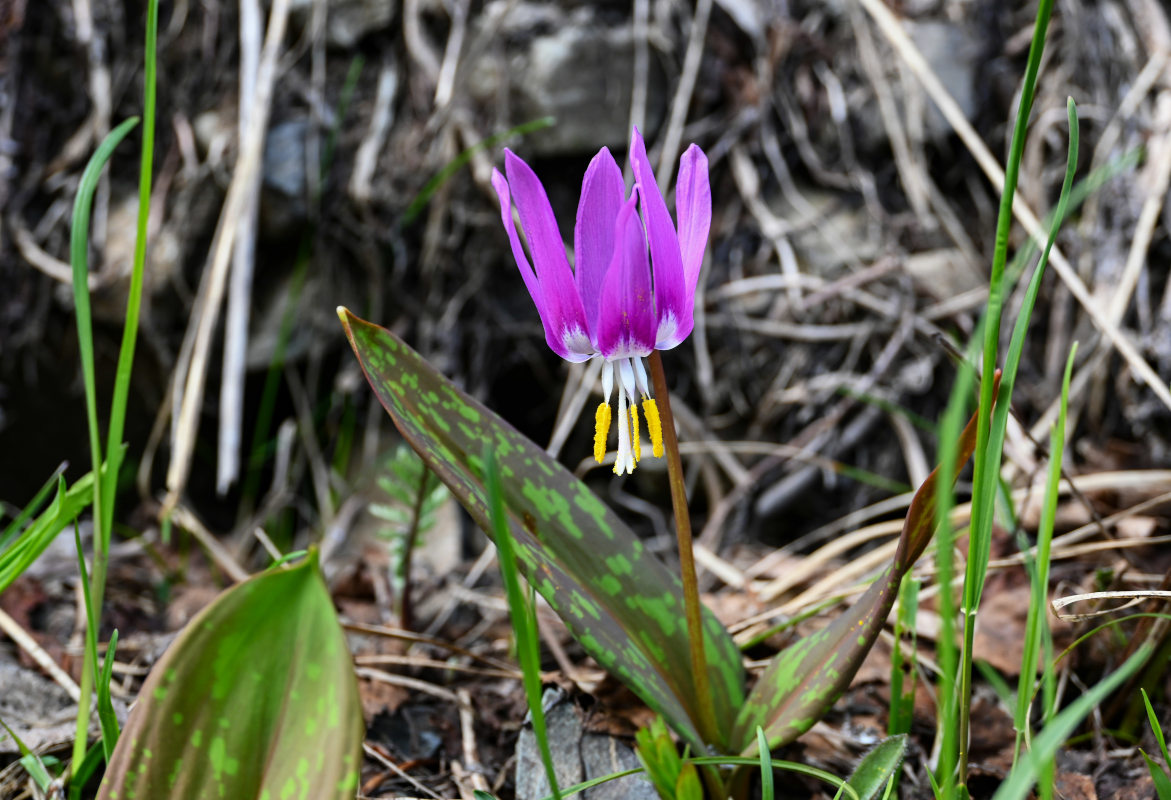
[
  {"x": 601, "y": 431},
  {"x": 635, "y": 442},
  {"x": 654, "y": 426}
]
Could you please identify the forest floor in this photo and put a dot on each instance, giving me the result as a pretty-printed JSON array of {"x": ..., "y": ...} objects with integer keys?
[{"x": 851, "y": 240}]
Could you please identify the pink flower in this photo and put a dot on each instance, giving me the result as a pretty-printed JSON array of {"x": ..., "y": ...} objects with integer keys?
[{"x": 633, "y": 286}]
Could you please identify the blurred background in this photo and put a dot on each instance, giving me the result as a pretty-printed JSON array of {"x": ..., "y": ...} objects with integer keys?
[{"x": 851, "y": 236}]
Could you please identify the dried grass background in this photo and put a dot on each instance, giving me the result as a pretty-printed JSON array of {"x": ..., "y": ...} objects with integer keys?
[{"x": 854, "y": 215}]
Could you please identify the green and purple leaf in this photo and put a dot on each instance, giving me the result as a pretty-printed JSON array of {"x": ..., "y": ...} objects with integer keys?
[
  {"x": 621, "y": 603},
  {"x": 256, "y": 698},
  {"x": 803, "y": 681}
]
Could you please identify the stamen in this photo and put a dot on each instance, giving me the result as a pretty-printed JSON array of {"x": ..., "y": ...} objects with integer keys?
[
  {"x": 640, "y": 377},
  {"x": 607, "y": 379},
  {"x": 635, "y": 441},
  {"x": 654, "y": 426},
  {"x": 601, "y": 431}
]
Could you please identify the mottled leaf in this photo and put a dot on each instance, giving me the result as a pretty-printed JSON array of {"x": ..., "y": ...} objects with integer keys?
[
  {"x": 620, "y": 602},
  {"x": 805, "y": 679},
  {"x": 874, "y": 771},
  {"x": 256, "y": 698}
]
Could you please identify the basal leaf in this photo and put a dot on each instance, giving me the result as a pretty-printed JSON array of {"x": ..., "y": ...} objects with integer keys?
[
  {"x": 804, "y": 680},
  {"x": 620, "y": 602},
  {"x": 255, "y": 699}
]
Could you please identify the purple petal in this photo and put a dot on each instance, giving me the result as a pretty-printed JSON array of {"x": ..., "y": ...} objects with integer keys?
[
  {"x": 553, "y": 321},
  {"x": 693, "y": 210},
  {"x": 626, "y": 317},
  {"x": 674, "y": 314},
  {"x": 560, "y": 307},
  {"x": 602, "y": 195}
]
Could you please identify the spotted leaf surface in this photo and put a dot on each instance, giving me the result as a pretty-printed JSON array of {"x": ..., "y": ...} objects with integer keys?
[
  {"x": 804, "y": 680},
  {"x": 620, "y": 602},
  {"x": 256, "y": 698}
]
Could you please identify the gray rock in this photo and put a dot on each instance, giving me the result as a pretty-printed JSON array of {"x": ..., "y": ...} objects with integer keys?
[
  {"x": 563, "y": 723},
  {"x": 572, "y": 65},
  {"x": 40, "y": 712},
  {"x": 841, "y": 232},
  {"x": 284, "y": 178},
  {"x": 347, "y": 21},
  {"x": 577, "y": 756},
  {"x": 605, "y": 755},
  {"x": 952, "y": 50}
]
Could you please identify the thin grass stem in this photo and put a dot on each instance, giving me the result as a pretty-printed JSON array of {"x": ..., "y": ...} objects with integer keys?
[
  {"x": 106, "y": 482},
  {"x": 524, "y": 615},
  {"x": 989, "y": 432}
]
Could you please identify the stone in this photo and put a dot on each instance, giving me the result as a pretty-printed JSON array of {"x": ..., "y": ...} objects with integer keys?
[
  {"x": 952, "y": 51},
  {"x": 577, "y": 756},
  {"x": 575, "y": 65},
  {"x": 348, "y": 21}
]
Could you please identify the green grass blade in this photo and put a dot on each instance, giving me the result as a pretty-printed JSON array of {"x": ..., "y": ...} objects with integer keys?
[
  {"x": 107, "y": 484},
  {"x": 79, "y": 260},
  {"x": 524, "y": 616},
  {"x": 1046, "y": 744},
  {"x": 108, "y": 721},
  {"x": 990, "y": 437},
  {"x": 80, "y": 777},
  {"x": 1039, "y": 595},
  {"x": 31, "y": 762},
  {"x": 766, "y": 765},
  {"x": 106, "y": 716},
  {"x": 947, "y": 693},
  {"x": 41, "y": 532},
  {"x": 134, "y": 296},
  {"x": 25, "y": 514},
  {"x": 1156, "y": 728},
  {"x": 1158, "y": 777}
]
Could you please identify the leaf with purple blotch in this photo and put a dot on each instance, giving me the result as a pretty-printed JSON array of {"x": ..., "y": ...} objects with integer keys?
[
  {"x": 803, "y": 681},
  {"x": 620, "y": 602},
  {"x": 256, "y": 698}
]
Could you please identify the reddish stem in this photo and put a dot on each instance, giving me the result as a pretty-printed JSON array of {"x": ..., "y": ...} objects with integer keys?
[{"x": 692, "y": 608}]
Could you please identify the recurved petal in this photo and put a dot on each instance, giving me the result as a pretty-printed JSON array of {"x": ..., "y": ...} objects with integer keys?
[
  {"x": 672, "y": 310},
  {"x": 693, "y": 211},
  {"x": 626, "y": 317},
  {"x": 553, "y": 321},
  {"x": 561, "y": 308},
  {"x": 602, "y": 195}
]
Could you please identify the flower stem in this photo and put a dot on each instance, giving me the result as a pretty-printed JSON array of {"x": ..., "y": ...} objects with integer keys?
[{"x": 692, "y": 609}]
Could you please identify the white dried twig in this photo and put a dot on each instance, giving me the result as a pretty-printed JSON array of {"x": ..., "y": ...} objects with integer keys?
[
  {"x": 243, "y": 263},
  {"x": 191, "y": 369}
]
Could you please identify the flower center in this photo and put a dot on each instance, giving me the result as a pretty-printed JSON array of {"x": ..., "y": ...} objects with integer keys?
[{"x": 632, "y": 383}]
